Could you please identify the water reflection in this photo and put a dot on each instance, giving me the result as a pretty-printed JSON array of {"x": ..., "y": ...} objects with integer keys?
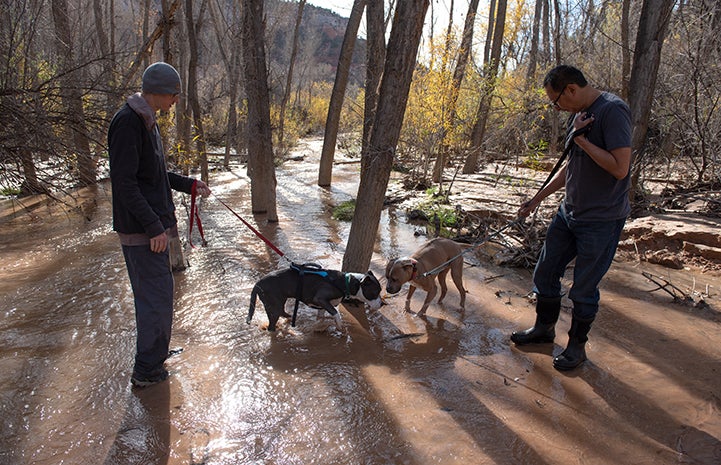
[{"x": 144, "y": 434}]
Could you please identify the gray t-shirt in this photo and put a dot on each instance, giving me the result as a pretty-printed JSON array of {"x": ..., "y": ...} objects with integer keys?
[{"x": 592, "y": 193}]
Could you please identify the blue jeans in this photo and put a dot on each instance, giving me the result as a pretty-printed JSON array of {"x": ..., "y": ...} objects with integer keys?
[
  {"x": 152, "y": 281},
  {"x": 592, "y": 244}
]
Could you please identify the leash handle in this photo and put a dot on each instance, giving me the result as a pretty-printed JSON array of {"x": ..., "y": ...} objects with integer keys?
[
  {"x": 257, "y": 233},
  {"x": 195, "y": 218}
]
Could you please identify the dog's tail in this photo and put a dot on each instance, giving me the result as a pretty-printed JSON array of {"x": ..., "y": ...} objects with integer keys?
[{"x": 251, "y": 309}]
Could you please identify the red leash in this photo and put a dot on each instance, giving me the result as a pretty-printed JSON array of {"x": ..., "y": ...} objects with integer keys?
[
  {"x": 257, "y": 233},
  {"x": 195, "y": 218}
]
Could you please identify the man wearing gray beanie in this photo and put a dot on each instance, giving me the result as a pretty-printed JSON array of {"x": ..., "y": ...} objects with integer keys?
[{"x": 144, "y": 214}]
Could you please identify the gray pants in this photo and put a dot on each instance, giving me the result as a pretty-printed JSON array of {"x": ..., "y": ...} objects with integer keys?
[{"x": 152, "y": 283}]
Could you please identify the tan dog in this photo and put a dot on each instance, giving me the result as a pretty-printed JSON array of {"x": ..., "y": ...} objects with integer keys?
[{"x": 433, "y": 254}]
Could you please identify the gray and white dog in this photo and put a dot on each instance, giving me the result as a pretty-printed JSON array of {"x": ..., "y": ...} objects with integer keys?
[{"x": 315, "y": 287}]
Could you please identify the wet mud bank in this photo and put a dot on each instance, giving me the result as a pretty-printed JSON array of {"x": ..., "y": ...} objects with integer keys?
[{"x": 447, "y": 388}]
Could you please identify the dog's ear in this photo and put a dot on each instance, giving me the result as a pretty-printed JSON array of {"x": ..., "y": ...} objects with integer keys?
[
  {"x": 370, "y": 273},
  {"x": 405, "y": 262},
  {"x": 389, "y": 266}
]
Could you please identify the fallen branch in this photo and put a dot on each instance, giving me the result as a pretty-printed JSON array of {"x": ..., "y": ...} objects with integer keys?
[{"x": 668, "y": 287}]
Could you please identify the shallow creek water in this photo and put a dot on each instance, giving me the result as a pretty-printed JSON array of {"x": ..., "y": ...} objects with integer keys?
[{"x": 392, "y": 388}]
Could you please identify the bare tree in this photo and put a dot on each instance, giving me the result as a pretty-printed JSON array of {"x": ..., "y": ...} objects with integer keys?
[
  {"x": 105, "y": 53},
  {"x": 375, "y": 55},
  {"x": 557, "y": 33},
  {"x": 464, "y": 53},
  {"x": 162, "y": 29},
  {"x": 685, "y": 124},
  {"x": 489, "y": 32},
  {"x": 490, "y": 73},
  {"x": 336, "y": 100},
  {"x": 652, "y": 26},
  {"x": 192, "y": 87},
  {"x": 232, "y": 61},
  {"x": 289, "y": 77},
  {"x": 168, "y": 7},
  {"x": 71, "y": 95},
  {"x": 625, "y": 48},
  {"x": 377, "y": 161},
  {"x": 546, "y": 27},
  {"x": 146, "y": 27},
  {"x": 260, "y": 145},
  {"x": 533, "y": 53}
]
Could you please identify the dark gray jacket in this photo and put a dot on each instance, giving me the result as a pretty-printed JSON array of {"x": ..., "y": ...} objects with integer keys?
[{"x": 142, "y": 201}]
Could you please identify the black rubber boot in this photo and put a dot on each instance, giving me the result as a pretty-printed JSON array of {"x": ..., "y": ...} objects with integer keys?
[
  {"x": 575, "y": 353},
  {"x": 543, "y": 332}
]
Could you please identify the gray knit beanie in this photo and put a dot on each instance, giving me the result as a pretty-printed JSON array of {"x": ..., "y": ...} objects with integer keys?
[{"x": 161, "y": 78}]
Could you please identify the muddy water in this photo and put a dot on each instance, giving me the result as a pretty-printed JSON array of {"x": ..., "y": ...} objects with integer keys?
[{"x": 392, "y": 389}]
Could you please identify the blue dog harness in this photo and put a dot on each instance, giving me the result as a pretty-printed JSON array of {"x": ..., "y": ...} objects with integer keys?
[{"x": 313, "y": 268}]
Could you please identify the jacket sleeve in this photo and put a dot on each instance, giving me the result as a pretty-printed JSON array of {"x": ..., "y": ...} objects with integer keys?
[
  {"x": 125, "y": 146},
  {"x": 181, "y": 183}
]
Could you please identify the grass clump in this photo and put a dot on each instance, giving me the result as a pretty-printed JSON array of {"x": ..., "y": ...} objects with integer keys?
[{"x": 344, "y": 211}]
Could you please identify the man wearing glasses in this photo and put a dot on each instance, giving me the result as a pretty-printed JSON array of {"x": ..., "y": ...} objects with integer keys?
[{"x": 590, "y": 219}]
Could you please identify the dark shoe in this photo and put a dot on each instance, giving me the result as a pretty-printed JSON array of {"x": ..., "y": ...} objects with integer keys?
[
  {"x": 140, "y": 381},
  {"x": 542, "y": 332},
  {"x": 575, "y": 353},
  {"x": 572, "y": 357},
  {"x": 539, "y": 334}
]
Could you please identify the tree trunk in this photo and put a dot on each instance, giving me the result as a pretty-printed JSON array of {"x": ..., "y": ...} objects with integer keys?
[
  {"x": 182, "y": 121},
  {"x": 289, "y": 78},
  {"x": 463, "y": 55},
  {"x": 377, "y": 161},
  {"x": 183, "y": 113},
  {"x": 550, "y": 30},
  {"x": 193, "y": 90},
  {"x": 336, "y": 99},
  {"x": 71, "y": 97},
  {"x": 625, "y": 48},
  {"x": 652, "y": 26},
  {"x": 166, "y": 26},
  {"x": 557, "y": 33},
  {"x": 105, "y": 54},
  {"x": 375, "y": 55},
  {"x": 232, "y": 134},
  {"x": 489, "y": 83},
  {"x": 100, "y": 29},
  {"x": 489, "y": 33},
  {"x": 533, "y": 54},
  {"x": 31, "y": 184},
  {"x": 546, "y": 32},
  {"x": 260, "y": 146},
  {"x": 111, "y": 15},
  {"x": 449, "y": 37},
  {"x": 146, "y": 28}
]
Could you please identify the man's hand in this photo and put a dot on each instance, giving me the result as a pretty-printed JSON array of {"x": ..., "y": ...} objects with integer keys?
[
  {"x": 159, "y": 243},
  {"x": 526, "y": 208},
  {"x": 202, "y": 188},
  {"x": 582, "y": 120}
]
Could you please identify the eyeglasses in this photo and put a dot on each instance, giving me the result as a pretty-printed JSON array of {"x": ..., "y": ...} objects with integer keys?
[{"x": 555, "y": 102}]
